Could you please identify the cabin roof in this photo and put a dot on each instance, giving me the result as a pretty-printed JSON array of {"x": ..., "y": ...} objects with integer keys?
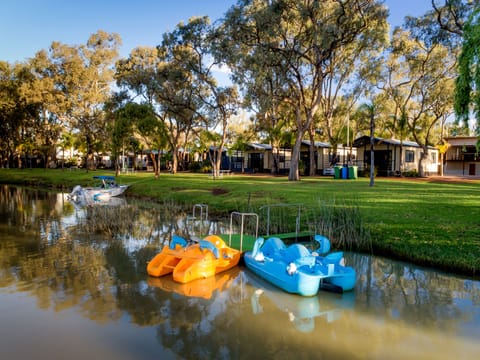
[
  {"x": 257, "y": 146},
  {"x": 365, "y": 140}
]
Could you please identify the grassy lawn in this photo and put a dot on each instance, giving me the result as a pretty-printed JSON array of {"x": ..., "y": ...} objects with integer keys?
[{"x": 429, "y": 223}]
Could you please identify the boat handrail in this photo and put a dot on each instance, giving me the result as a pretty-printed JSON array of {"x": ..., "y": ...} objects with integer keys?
[
  {"x": 297, "y": 219},
  {"x": 242, "y": 216},
  {"x": 203, "y": 217},
  {"x": 202, "y": 207}
]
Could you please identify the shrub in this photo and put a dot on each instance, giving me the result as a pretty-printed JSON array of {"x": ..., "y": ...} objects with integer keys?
[{"x": 410, "y": 173}]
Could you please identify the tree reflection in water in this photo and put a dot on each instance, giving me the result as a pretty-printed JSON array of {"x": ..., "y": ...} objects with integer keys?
[{"x": 52, "y": 252}]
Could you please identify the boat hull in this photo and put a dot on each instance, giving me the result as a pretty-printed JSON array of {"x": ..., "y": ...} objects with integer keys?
[
  {"x": 164, "y": 262},
  {"x": 341, "y": 278},
  {"x": 344, "y": 278},
  {"x": 291, "y": 268},
  {"x": 303, "y": 282}
]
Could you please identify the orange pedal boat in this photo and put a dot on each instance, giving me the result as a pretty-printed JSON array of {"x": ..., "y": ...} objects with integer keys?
[
  {"x": 165, "y": 261},
  {"x": 206, "y": 258}
]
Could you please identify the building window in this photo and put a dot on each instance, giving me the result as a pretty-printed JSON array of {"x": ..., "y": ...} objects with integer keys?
[{"x": 409, "y": 156}]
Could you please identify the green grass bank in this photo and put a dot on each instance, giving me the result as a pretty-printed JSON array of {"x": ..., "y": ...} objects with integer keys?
[{"x": 435, "y": 224}]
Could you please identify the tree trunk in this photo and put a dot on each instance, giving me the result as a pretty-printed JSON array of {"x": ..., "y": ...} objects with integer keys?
[
  {"x": 117, "y": 168},
  {"x": 421, "y": 171},
  {"x": 174, "y": 160},
  {"x": 442, "y": 156},
  {"x": 156, "y": 168},
  {"x": 159, "y": 164},
  {"x": 313, "y": 163},
  {"x": 372, "y": 153},
  {"x": 218, "y": 159},
  {"x": 275, "y": 158},
  {"x": 293, "y": 174}
]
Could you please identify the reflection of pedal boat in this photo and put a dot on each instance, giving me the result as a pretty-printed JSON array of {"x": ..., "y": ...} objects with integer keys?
[
  {"x": 200, "y": 288},
  {"x": 297, "y": 270},
  {"x": 204, "y": 259},
  {"x": 301, "y": 311}
]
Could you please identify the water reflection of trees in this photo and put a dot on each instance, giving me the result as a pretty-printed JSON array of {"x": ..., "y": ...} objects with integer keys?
[
  {"x": 45, "y": 251},
  {"x": 418, "y": 296}
]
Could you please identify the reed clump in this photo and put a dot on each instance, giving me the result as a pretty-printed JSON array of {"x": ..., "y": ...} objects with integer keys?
[
  {"x": 342, "y": 224},
  {"x": 109, "y": 220},
  {"x": 146, "y": 221}
]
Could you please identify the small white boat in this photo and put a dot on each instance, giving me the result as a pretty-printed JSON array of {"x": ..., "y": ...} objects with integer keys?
[{"x": 91, "y": 195}]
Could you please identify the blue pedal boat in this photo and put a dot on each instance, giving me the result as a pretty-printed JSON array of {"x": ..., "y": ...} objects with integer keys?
[{"x": 297, "y": 270}]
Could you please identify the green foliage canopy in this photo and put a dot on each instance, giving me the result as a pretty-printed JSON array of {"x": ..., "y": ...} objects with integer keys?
[{"x": 467, "y": 96}]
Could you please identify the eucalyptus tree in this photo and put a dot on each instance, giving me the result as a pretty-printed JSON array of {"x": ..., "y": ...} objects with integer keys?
[
  {"x": 138, "y": 74},
  {"x": 451, "y": 15},
  {"x": 264, "y": 91},
  {"x": 39, "y": 90},
  {"x": 176, "y": 78},
  {"x": 84, "y": 74},
  {"x": 144, "y": 75},
  {"x": 300, "y": 41},
  {"x": 178, "y": 106},
  {"x": 11, "y": 110},
  {"x": 352, "y": 72},
  {"x": 20, "y": 114},
  {"x": 169, "y": 90},
  {"x": 419, "y": 81},
  {"x": 455, "y": 24},
  {"x": 151, "y": 131},
  {"x": 191, "y": 47}
]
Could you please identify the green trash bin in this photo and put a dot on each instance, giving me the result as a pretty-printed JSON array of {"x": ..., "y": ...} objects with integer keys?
[
  {"x": 352, "y": 172},
  {"x": 337, "y": 170}
]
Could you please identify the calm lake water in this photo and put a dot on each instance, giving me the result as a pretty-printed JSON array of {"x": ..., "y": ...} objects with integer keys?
[{"x": 68, "y": 290}]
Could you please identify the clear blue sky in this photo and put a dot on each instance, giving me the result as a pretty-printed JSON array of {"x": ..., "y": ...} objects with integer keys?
[{"x": 27, "y": 26}]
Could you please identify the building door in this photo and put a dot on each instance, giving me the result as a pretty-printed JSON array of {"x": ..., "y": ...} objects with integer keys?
[
  {"x": 305, "y": 159},
  {"x": 383, "y": 162},
  {"x": 471, "y": 169},
  {"x": 256, "y": 162}
]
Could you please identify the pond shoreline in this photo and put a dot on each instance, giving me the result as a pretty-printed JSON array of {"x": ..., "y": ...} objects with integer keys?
[{"x": 177, "y": 189}]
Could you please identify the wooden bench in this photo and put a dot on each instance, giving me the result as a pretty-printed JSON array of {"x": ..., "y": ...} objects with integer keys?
[
  {"x": 221, "y": 173},
  {"x": 128, "y": 170}
]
